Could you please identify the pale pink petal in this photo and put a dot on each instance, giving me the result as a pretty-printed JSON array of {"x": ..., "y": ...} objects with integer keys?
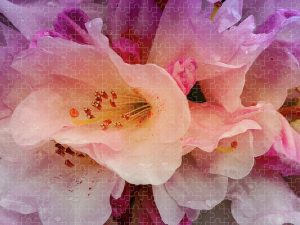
[
  {"x": 225, "y": 87},
  {"x": 269, "y": 121},
  {"x": 263, "y": 198},
  {"x": 38, "y": 117},
  {"x": 55, "y": 56},
  {"x": 288, "y": 143},
  {"x": 29, "y": 20},
  {"x": 274, "y": 72},
  {"x": 169, "y": 210},
  {"x": 142, "y": 162},
  {"x": 118, "y": 188},
  {"x": 208, "y": 190},
  {"x": 262, "y": 9}
]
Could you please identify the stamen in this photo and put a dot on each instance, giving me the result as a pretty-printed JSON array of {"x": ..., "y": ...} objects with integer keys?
[
  {"x": 135, "y": 112},
  {"x": 217, "y": 6},
  {"x": 130, "y": 107}
]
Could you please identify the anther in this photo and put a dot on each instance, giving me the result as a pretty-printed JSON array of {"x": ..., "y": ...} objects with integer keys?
[
  {"x": 113, "y": 95},
  {"x": 98, "y": 96},
  {"x": 234, "y": 144},
  {"x": 112, "y": 103},
  {"x": 81, "y": 155},
  {"x": 125, "y": 116},
  {"x": 118, "y": 125},
  {"x": 104, "y": 125},
  {"x": 74, "y": 112},
  {"x": 59, "y": 146},
  {"x": 60, "y": 152},
  {"x": 97, "y": 104},
  {"x": 68, "y": 163},
  {"x": 88, "y": 113},
  {"x": 103, "y": 94},
  {"x": 107, "y": 122},
  {"x": 217, "y": 6},
  {"x": 69, "y": 151}
]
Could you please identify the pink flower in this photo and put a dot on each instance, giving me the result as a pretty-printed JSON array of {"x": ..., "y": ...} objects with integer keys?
[
  {"x": 121, "y": 115},
  {"x": 221, "y": 71}
]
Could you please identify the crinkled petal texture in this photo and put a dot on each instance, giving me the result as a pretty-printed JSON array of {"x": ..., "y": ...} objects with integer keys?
[
  {"x": 221, "y": 71},
  {"x": 232, "y": 140},
  {"x": 277, "y": 69},
  {"x": 53, "y": 184},
  {"x": 263, "y": 198},
  {"x": 214, "y": 123},
  {"x": 70, "y": 74}
]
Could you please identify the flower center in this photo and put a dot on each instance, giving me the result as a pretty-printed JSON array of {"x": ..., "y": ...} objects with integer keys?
[
  {"x": 227, "y": 149},
  {"x": 111, "y": 109}
]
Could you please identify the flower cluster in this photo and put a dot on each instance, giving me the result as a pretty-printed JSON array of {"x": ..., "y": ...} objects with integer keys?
[{"x": 149, "y": 112}]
